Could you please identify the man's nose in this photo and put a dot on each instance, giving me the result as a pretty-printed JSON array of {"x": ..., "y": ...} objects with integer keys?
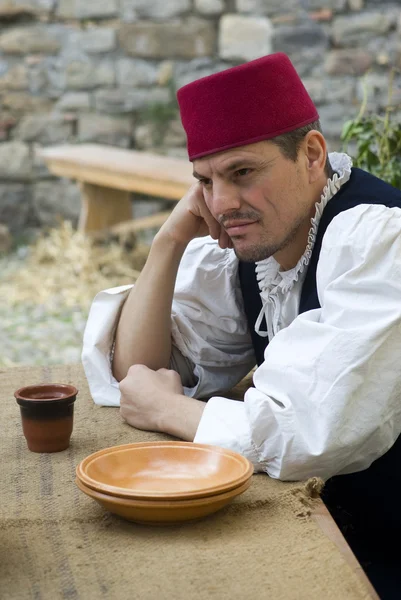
[{"x": 225, "y": 199}]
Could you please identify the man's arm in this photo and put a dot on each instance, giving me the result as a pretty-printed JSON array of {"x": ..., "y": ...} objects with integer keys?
[
  {"x": 211, "y": 346},
  {"x": 143, "y": 334}
]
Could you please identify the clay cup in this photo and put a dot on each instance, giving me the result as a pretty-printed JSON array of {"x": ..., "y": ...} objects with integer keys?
[{"x": 47, "y": 413}]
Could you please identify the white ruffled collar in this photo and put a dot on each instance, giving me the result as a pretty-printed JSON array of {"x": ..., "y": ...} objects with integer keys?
[
  {"x": 268, "y": 271},
  {"x": 270, "y": 278}
]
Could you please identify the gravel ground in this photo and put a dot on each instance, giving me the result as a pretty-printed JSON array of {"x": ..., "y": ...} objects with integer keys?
[
  {"x": 34, "y": 335},
  {"x": 38, "y": 334}
]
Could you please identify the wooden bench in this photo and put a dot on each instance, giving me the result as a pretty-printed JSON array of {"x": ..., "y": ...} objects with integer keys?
[{"x": 108, "y": 175}]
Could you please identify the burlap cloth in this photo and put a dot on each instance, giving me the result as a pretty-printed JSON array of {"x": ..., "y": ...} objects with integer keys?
[{"x": 55, "y": 542}]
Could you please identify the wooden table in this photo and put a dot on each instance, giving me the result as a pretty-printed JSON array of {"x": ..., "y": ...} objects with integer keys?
[{"x": 273, "y": 542}]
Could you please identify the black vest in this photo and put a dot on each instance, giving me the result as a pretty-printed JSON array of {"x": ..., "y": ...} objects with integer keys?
[{"x": 373, "y": 494}]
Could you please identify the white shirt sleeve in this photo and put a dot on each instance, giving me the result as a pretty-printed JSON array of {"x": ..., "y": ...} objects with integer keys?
[
  {"x": 326, "y": 399},
  {"x": 209, "y": 328},
  {"x": 98, "y": 344}
]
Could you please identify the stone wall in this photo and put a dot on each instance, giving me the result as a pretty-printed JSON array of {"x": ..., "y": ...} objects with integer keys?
[{"x": 106, "y": 71}]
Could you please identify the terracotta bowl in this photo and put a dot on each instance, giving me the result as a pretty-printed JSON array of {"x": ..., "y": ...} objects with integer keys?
[
  {"x": 163, "y": 512},
  {"x": 167, "y": 470}
]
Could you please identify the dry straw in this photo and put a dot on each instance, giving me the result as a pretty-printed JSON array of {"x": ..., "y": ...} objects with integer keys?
[{"x": 64, "y": 268}]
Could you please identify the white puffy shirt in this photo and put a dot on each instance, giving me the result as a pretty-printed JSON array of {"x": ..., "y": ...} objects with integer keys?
[{"x": 327, "y": 398}]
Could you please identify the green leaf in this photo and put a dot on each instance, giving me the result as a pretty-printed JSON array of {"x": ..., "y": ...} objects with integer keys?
[{"x": 347, "y": 129}]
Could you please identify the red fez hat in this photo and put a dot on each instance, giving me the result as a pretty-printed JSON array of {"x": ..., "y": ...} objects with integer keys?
[{"x": 242, "y": 105}]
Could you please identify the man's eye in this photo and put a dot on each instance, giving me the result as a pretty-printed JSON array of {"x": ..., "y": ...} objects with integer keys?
[
  {"x": 242, "y": 172},
  {"x": 205, "y": 181}
]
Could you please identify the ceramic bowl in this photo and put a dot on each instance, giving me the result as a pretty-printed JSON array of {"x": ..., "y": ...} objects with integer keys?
[
  {"x": 163, "y": 512},
  {"x": 167, "y": 470}
]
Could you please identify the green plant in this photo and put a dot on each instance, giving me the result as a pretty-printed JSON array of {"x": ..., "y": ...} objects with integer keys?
[{"x": 377, "y": 141}]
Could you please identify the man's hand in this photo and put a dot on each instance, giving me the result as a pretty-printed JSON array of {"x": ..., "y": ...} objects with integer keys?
[
  {"x": 155, "y": 401},
  {"x": 191, "y": 218}
]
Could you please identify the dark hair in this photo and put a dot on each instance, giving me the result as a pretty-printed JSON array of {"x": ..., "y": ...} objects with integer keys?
[{"x": 290, "y": 142}]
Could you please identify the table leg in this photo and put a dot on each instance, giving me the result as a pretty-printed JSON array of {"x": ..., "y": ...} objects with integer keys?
[{"x": 103, "y": 207}]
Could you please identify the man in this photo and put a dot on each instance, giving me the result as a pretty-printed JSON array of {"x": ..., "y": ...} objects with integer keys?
[{"x": 300, "y": 273}]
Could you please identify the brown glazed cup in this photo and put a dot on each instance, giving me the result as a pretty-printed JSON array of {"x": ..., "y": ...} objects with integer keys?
[{"x": 47, "y": 413}]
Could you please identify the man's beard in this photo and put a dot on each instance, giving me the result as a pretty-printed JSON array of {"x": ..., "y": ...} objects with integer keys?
[
  {"x": 266, "y": 248},
  {"x": 256, "y": 252}
]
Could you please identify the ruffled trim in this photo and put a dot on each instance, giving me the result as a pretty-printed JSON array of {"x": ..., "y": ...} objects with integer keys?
[
  {"x": 268, "y": 271},
  {"x": 270, "y": 279}
]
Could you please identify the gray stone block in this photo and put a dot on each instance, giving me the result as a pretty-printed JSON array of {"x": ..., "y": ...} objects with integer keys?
[
  {"x": 210, "y": 7},
  {"x": 95, "y": 40},
  {"x": 44, "y": 129},
  {"x": 29, "y": 39},
  {"x": 125, "y": 100},
  {"x": 113, "y": 101},
  {"x": 15, "y": 205},
  {"x": 356, "y": 4},
  {"x": 40, "y": 170},
  {"x": 333, "y": 117},
  {"x": 175, "y": 136},
  {"x": 10, "y": 9},
  {"x": 331, "y": 90},
  {"x": 335, "y": 5},
  {"x": 140, "y": 99},
  {"x": 308, "y": 61},
  {"x": 84, "y": 74},
  {"x": 270, "y": 8},
  {"x": 87, "y": 9},
  {"x": 105, "y": 129},
  {"x": 52, "y": 200},
  {"x": 145, "y": 136},
  {"x": 74, "y": 101},
  {"x": 15, "y": 161},
  {"x": 14, "y": 78},
  {"x": 19, "y": 104},
  {"x": 46, "y": 76},
  {"x": 340, "y": 90},
  {"x": 187, "y": 39},
  {"x": 136, "y": 72},
  {"x": 255, "y": 39},
  {"x": 315, "y": 89},
  {"x": 353, "y": 30},
  {"x": 186, "y": 72},
  {"x": 132, "y": 10},
  {"x": 384, "y": 49},
  {"x": 344, "y": 62},
  {"x": 303, "y": 34}
]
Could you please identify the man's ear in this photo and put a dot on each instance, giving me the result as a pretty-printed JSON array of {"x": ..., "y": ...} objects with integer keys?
[{"x": 315, "y": 149}]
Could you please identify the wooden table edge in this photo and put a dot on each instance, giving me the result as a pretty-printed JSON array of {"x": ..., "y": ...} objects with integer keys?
[{"x": 325, "y": 521}]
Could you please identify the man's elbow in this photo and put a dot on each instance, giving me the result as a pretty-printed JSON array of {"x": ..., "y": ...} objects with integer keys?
[{"x": 118, "y": 370}]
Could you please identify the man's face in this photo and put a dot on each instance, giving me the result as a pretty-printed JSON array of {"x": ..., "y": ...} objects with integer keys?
[{"x": 260, "y": 198}]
